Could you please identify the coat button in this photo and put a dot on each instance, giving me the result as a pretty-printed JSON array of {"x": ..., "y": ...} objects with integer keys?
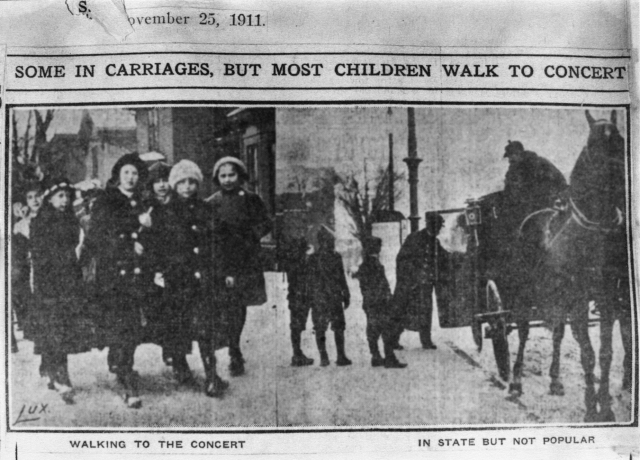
[
  {"x": 194, "y": 227},
  {"x": 134, "y": 235},
  {"x": 123, "y": 272},
  {"x": 197, "y": 275},
  {"x": 122, "y": 235},
  {"x": 136, "y": 271},
  {"x": 196, "y": 250},
  {"x": 133, "y": 203}
]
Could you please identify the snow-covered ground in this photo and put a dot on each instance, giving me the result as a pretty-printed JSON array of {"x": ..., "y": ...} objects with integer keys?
[{"x": 454, "y": 385}]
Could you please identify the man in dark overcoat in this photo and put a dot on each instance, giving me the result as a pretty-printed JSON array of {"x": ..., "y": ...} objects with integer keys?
[
  {"x": 532, "y": 182},
  {"x": 420, "y": 268}
]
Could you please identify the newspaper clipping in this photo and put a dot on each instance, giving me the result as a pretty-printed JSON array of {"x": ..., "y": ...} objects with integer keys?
[{"x": 339, "y": 230}]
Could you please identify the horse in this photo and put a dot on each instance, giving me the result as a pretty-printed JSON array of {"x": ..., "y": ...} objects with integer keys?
[{"x": 567, "y": 258}]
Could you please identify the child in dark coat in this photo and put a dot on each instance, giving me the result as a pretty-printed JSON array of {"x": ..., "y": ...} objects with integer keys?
[
  {"x": 122, "y": 272},
  {"x": 58, "y": 310},
  {"x": 240, "y": 220},
  {"x": 188, "y": 275},
  {"x": 376, "y": 302},
  {"x": 328, "y": 295},
  {"x": 159, "y": 195},
  {"x": 295, "y": 266},
  {"x": 21, "y": 289}
]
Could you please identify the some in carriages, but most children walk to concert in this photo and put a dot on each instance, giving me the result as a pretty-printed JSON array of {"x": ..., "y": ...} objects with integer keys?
[
  {"x": 58, "y": 318},
  {"x": 240, "y": 221},
  {"x": 328, "y": 295},
  {"x": 377, "y": 305},
  {"x": 188, "y": 277}
]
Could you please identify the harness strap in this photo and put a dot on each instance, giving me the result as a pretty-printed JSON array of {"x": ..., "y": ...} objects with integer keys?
[{"x": 584, "y": 222}]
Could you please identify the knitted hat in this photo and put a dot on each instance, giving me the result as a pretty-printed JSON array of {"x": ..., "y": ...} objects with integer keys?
[
  {"x": 53, "y": 185},
  {"x": 512, "y": 148},
  {"x": 134, "y": 160},
  {"x": 184, "y": 169},
  {"x": 240, "y": 168},
  {"x": 157, "y": 171}
]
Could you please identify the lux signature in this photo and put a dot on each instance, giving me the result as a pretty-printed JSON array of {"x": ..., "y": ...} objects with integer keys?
[{"x": 28, "y": 413}]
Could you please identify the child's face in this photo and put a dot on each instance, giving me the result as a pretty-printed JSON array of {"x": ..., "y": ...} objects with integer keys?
[
  {"x": 187, "y": 188},
  {"x": 34, "y": 201},
  {"x": 128, "y": 178},
  {"x": 60, "y": 200},
  {"x": 228, "y": 177},
  {"x": 161, "y": 187}
]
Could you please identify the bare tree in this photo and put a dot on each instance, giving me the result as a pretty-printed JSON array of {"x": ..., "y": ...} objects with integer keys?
[{"x": 363, "y": 207}]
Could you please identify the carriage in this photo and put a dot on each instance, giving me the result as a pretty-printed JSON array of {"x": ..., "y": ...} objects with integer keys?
[
  {"x": 476, "y": 280},
  {"x": 557, "y": 262}
]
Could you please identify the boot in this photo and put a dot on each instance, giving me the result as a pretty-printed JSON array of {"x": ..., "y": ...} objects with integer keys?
[
  {"x": 376, "y": 358},
  {"x": 181, "y": 370},
  {"x": 214, "y": 386},
  {"x": 128, "y": 379},
  {"x": 342, "y": 357},
  {"x": 425, "y": 339},
  {"x": 299, "y": 359},
  {"x": 62, "y": 383},
  {"x": 14, "y": 342},
  {"x": 390, "y": 360},
  {"x": 322, "y": 349},
  {"x": 236, "y": 365}
]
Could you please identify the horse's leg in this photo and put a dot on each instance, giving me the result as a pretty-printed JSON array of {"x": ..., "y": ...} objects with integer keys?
[
  {"x": 580, "y": 330},
  {"x": 515, "y": 387},
  {"x": 556, "y": 387},
  {"x": 627, "y": 343},
  {"x": 606, "y": 356}
]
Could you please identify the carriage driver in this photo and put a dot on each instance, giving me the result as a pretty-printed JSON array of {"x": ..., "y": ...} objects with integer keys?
[{"x": 531, "y": 183}]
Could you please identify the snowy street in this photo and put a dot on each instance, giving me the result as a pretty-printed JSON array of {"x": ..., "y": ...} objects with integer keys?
[{"x": 453, "y": 385}]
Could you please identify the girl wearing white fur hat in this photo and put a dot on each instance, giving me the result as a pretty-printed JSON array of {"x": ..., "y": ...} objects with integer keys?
[
  {"x": 187, "y": 273},
  {"x": 240, "y": 220}
]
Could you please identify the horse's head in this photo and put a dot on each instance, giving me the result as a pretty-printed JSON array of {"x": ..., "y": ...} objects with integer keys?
[
  {"x": 598, "y": 177},
  {"x": 604, "y": 137}
]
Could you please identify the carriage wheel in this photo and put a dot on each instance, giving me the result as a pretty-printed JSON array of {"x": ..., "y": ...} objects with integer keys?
[{"x": 498, "y": 332}]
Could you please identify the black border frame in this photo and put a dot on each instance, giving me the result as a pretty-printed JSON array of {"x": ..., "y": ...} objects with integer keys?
[{"x": 282, "y": 104}]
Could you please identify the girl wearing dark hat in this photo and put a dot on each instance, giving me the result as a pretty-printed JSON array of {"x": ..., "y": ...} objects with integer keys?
[
  {"x": 122, "y": 274},
  {"x": 57, "y": 318},
  {"x": 240, "y": 220},
  {"x": 187, "y": 274}
]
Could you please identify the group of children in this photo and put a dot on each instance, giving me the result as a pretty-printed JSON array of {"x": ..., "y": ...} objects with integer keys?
[
  {"x": 164, "y": 266},
  {"x": 153, "y": 262},
  {"x": 317, "y": 283}
]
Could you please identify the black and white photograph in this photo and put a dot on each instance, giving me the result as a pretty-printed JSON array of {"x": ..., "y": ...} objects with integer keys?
[{"x": 319, "y": 266}]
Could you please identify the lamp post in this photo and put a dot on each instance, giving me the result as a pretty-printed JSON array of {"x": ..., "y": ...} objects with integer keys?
[
  {"x": 412, "y": 162},
  {"x": 392, "y": 203}
]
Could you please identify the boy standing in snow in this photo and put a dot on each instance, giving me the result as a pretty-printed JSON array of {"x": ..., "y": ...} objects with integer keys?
[
  {"x": 376, "y": 302},
  {"x": 328, "y": 295}
]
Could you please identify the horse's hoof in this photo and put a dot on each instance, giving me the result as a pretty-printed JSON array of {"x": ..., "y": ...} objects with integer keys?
[
  {"x": 606, "y": 415},
  {"x": 556, "y": 389},
  {"x": 515, "y": 389}
]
